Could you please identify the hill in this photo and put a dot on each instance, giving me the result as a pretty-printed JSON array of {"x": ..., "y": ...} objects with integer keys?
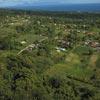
[{"x": 49, "y": 55}]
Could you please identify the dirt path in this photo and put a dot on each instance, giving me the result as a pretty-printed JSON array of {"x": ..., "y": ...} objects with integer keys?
[{"x": 31, "y": 46}]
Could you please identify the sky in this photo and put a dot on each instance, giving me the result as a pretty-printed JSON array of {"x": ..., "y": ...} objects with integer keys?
[{"x": 4, "y": 3}]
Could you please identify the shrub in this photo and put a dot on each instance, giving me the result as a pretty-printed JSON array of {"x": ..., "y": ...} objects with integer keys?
[{"x": 98, "y": 63}]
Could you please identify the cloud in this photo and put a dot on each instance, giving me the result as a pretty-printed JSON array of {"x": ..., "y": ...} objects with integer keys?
[
  {"x": 64, "y": 1},
  {"x": 15, "y": 2}
]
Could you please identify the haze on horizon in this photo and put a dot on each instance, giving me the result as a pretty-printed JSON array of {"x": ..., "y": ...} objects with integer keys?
[{"x": 5, "y": 3}]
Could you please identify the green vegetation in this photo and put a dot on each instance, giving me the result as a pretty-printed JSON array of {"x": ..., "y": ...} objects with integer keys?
[{"x": 49, "y": 55}]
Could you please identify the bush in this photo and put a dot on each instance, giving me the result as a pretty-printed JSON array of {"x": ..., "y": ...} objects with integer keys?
[
  {"x": 42, "y": 63},
  {"x": 18, "y": 62},
  {"x": 98, "y": 63},
  {"x": 7, "y": 43},
  {"x": 58, "y": 88}
]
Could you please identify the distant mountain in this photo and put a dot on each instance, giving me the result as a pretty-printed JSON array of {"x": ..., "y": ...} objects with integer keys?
[{"x": 60, "y": 7}]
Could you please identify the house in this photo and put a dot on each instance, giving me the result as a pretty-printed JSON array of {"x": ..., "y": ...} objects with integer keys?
[
  {"x": 87, "y": 42},
  {"x": 90, "y": 33},
  {"x": 95, "y": 44},
  {"x": 23, "y": 42},
  {"x": 12, "y": 23},
  {"x": 55, "y": 24},
  {"x": 59, "y": 49}
]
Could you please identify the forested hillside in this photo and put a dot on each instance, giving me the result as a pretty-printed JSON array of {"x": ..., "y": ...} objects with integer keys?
[{"x": 49, "y": 55}]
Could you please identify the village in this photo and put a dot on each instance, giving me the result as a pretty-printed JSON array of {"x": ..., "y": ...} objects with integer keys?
[{"x": 49, "y": 55}]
